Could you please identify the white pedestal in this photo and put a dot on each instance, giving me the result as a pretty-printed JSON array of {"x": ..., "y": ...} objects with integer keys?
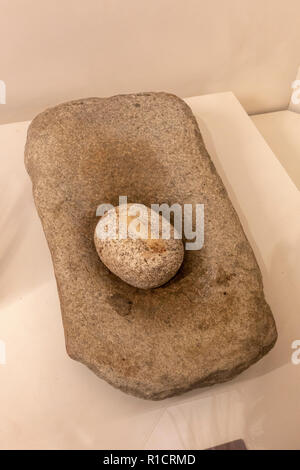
[
  {"x": 49, "y": 401},
  {"x": 281, "y": 131}
]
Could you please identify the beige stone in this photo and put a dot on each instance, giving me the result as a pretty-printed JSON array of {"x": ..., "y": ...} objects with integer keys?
[
  {"x": 206, "y": 325},
  {"x": 139, "y": 259}
]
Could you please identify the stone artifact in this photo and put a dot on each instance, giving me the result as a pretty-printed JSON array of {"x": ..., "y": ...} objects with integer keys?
[
  {"x": 211, "y": 320},
  {"x": 143, "y": 262}
]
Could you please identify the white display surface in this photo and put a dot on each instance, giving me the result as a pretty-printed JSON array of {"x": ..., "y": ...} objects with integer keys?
[
  {"x": 281, "y": 130},
  {"x": 49, "y": 401}
]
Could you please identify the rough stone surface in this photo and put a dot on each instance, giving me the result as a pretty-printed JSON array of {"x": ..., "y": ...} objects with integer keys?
[
  {"x": 139, "y": 259},
  {"x": 206, "y": 325}
]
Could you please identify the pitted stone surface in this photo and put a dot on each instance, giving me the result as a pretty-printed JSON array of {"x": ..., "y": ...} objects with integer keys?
[
  {"x": 206, "y": 325},
  {"x": 138, "y": 259}
]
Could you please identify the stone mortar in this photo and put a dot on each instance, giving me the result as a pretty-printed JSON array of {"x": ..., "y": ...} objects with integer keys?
[{"x": 206, "y": 325}]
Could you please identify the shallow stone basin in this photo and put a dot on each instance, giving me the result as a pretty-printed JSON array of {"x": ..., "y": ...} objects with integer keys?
[{"x": 206, "y": 325}]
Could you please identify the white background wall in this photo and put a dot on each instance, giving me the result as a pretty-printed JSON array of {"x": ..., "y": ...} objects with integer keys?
[{"x": 56, "y": 50}]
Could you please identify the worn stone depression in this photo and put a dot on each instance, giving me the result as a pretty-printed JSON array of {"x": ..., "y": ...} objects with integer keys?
[{"x": 210, "y": 321}]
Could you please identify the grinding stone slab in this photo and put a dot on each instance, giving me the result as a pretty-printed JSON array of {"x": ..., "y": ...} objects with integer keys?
[{"x": 206, "y": 325}]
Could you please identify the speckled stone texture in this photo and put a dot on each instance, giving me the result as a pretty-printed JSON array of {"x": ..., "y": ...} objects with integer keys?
[
  {"x": 211, "y": 321},
  {"x": 141, "y": 262}
]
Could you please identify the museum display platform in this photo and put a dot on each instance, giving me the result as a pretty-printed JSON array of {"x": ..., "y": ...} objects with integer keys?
[{"x": 45, "y": 397}]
